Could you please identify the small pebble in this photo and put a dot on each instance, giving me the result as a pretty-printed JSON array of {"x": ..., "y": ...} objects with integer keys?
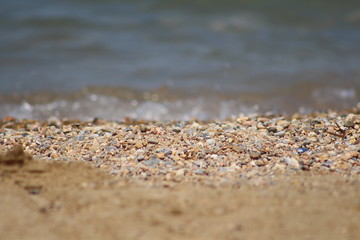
[
  {"x": 143, "y": 128},
  {"x": 152, "y": 162},
  {"x": 292, "y": 162},
  {"x": 199, "y": 171},
  {"x": 140, "y": 158},
  {"x": 153, "y": 140},
  {"x": 255, "y": 154},
  {"x": 272, "y": 129},
  {"x": 349, "y": 124},
  {"x": 211, "y": 142}
]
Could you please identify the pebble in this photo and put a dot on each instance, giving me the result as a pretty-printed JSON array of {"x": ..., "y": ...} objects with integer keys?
[
  {"x": 139, "y": 144},
  {"x": 260, "y": 162},
  {"x": 140, "y": 158},
  {"x": 108, "y": 149},
  {"x": 176, "y": 130},
  {"x": 153, "y": 162},
  {"x": 280, "y": 134},
  {"x": 167, "y": 151},
  {"x": 160, "y": 155},
  {"x": 80, "y": 138},
  {"x": 153, "y": 140},
  {"x": 292, "y": 162},
  {"x": 180, "y": 172},
  {"x": 143, "y": 128},
  {"x": 130, "y": 136},
  {"x": 199, "y": 163},
  {"x": 272, "y": 129},
  {"x": 199, "y": 171},
  {"x": 211, "y": 142},
  {"x": 349, "y": 124},
  {"x": 353, "y": 140},
  {"x": 255, "y": 154},
  {"x": 283, "y": 123}
]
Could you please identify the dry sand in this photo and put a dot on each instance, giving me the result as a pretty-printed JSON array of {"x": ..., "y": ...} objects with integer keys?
[{"x": 253, "y": 178}]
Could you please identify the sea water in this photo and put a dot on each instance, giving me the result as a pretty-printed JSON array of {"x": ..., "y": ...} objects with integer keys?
[{"x": 177, "y": 60}]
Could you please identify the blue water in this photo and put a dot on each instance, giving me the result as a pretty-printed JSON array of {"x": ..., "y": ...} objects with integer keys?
[{"x": 195, "y": 59}]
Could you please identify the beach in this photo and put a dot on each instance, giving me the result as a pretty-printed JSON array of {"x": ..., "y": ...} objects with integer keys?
[
  {"x": 260, "y": 177},
  {"x": 156, "y": 119}
]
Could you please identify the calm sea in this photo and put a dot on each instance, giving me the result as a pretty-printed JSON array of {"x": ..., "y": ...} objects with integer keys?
[{"x": 177, "y": 60}]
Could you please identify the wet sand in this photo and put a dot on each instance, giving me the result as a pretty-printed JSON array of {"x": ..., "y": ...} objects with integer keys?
[{"x": 290, "y": 177}]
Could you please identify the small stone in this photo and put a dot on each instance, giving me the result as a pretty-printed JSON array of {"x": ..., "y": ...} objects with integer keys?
[
  {"x": 180, "y": 172},
  {"x": 143, "y": 128},
  {"x": 352, "y": 140},
  {"x": 140, "y": 158},
  {"x": 283, "y": 123},
  {"x": 80, "y": 138},
  {"x": 160, "y": 155},
  {"x": 108, "y": 149},
  {"x": 152, "y": 162},
  {"x": 199, "y": 171},
  {"x": 260, "y": 163},
  {"x": 211, "y": 142},
  {"x": 280, "y": 134},
  {"x": 237, "y": 148},
  {"x": 167, "y": 151},
  {"x": 255, "y": 154},
  {"x": 139, "y": 144},
  {"x": 292, "y": 162},
  {"x": 176, "y": 130},
  {"x": 140, "y": 152},
  {"x": 279, "y": 128},
  {"x": 153, "y": 140},
  {"x": 349, "y": 124},
  {"x": 130, "y": 136},
  {"x": 199, "y": 163},
  {"x": 272, "y": 129}
]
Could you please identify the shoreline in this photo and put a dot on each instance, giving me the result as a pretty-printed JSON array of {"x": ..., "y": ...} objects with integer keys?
[{"x": 169, "y": 104}]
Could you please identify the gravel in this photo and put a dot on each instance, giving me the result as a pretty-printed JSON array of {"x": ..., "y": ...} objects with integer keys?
[{"x": 321, "y": 143}]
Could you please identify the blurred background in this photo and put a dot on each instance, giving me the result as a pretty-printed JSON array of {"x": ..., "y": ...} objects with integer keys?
[{"x": 177, "y": 60}]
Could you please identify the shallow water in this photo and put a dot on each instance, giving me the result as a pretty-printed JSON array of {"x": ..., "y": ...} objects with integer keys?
[{"x": 177, "y": 60}]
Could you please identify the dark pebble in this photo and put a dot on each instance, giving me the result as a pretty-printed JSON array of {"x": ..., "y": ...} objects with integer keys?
[{"x": 271, "y": 129}]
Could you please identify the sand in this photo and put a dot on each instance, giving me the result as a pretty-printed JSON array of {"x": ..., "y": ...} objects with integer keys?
[{"x": 294, "y": 177}]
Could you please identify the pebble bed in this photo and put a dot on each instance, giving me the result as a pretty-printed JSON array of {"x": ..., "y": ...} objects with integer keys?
[{"x": 226, "y": 151}]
